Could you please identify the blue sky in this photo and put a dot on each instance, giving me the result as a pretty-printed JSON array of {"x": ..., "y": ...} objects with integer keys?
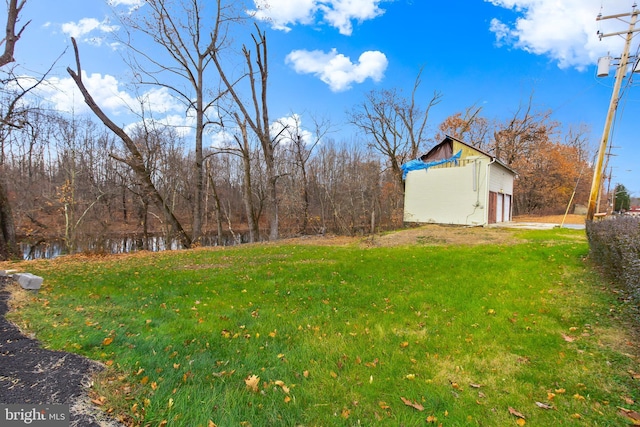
[{"x": 326, "y": 54}]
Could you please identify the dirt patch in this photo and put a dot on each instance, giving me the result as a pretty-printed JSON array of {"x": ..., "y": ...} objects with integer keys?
[
  {"x": 553, "y": 219},
  {"x": 436, "y": 235},
  {"x": 431, "y": 234}
]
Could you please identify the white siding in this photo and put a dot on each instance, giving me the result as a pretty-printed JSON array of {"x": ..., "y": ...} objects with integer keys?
[
  {"x": 500, "y": 179},
  {"x": 448, "y": 195}
]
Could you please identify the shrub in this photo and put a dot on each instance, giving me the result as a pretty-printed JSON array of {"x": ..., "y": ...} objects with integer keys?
[{"x": 615, "y": 246}]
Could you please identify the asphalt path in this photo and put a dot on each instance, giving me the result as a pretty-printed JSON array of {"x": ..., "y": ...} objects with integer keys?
[{"x": 30, "y": 374}]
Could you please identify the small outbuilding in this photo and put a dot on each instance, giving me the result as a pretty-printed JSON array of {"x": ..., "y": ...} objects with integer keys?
[{"x": 456, "y": 183}]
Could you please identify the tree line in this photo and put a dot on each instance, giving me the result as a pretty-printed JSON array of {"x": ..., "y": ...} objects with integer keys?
[{"x": 87, "y": 177}]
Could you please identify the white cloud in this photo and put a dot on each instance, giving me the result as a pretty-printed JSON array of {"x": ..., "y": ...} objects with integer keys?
[
  {"x": 340, "y": 13},
  {"x": 337, "y": 70},
  {"x": 64, "y": 96},
  {"x": 290, "y": 127},
  {"x": 221, "y": 139},
  {"x": 282, "y": 14},
  {"x": 86, "y": 26},
  {"x": 564, "y": 31},
  {"x": 181, "y": 125},
  {"x": 130, "y": 3}
]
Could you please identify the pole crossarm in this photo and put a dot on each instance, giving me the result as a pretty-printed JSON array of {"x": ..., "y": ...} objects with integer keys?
[
  {"x": 619, "y": 33},
  {"x": 619, "y": 15}
]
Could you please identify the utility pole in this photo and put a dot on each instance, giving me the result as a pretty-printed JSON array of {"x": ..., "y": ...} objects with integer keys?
[{"x": 613, "y": 105}]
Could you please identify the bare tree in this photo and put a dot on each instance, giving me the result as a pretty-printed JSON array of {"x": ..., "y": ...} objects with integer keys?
[
  {"x": 301, "y": 144},
  {"x": 179, "y": 27},
  {"x": 468, "y": 126},
  {"x": 256, "y": 114},
  {"x": 395, "y": 125},
  {"x": 11, "y": 37},
  {"x": 244, "y": 151},
  {"x": 8, "y": 245},
  {"x": 517, "y": 135},
  {"x": 135, "y": 159}
]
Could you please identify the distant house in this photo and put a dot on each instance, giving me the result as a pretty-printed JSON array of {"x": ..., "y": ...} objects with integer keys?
[{"x": 455, "y": 183}]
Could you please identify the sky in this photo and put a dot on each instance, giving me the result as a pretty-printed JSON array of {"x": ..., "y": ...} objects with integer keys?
[{"x": 326, "y": 55}]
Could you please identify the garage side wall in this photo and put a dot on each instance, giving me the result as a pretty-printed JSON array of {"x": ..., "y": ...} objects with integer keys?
[
  {"x": 451, "y": 195},
  {"x": 500, "y": 179}
]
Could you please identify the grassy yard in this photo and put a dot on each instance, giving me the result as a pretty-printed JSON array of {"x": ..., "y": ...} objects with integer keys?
[{"x": 287, "y": 334}]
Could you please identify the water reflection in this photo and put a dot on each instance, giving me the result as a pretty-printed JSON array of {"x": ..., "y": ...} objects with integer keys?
[{"x": 117, "y": 245}]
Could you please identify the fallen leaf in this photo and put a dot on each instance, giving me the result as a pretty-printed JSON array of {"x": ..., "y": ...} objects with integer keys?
[
  {"x": 475, "y": 385},
  {"x": 383, "y": 405},
  {"x": 405, "y": 344},
  {"x": 107, "y": 341},
  {"x": 628, "y": 400},
  {"x": 345, "y": 413},
  {"x": 252, "y": 382},
  {"x": 515, "y": 413},
  {"x": 543, "y": 405},
  {"x": 568, "y": 338},
  {"x": 633, "y": 416},
  {"x": 287, "y": 399},
  {"x": 414, "y": 405},
  {"x": 576, "y": 416},
  {"x": 431, "y": 419},
  {"x": 521, "y": 422},
  {"x": 99, "y": 400},
  {"x": 211, "y": 424}
]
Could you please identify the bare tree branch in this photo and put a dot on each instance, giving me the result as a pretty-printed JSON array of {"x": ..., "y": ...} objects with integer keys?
[{"x": 11, "y": 38}]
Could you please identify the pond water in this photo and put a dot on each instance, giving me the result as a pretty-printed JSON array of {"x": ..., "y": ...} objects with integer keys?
[{"x": 119, "y": 244}]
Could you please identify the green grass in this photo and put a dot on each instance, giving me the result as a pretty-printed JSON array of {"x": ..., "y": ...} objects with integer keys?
[{"x": 339, "y": 335}]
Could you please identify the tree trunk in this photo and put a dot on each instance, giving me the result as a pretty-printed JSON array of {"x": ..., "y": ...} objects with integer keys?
[
  {"x": 135, "y": 160},
  {"x": 217, "y": 208},
  {"x": 9, "y": 248}
]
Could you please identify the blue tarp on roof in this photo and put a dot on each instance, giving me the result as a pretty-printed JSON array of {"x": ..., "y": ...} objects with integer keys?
[{"x": 418, "y": 164}]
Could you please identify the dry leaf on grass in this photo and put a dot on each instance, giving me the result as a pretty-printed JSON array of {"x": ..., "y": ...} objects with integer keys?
[
  {"x": 516, "y": 413},
  {"x": 252, "y": 382},
  {"x": 543, "y": 405},
  {"x": 414, "y": 405},
  {"x": 632, "y": 416}
]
